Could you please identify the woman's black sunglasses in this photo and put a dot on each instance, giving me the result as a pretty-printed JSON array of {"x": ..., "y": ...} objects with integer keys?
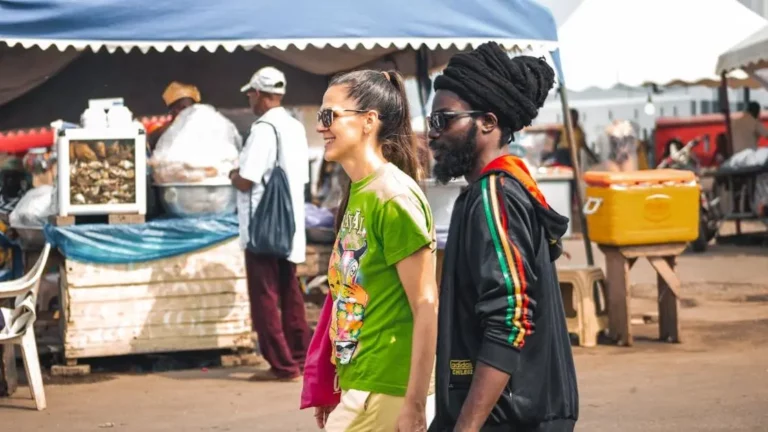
[
  {"x": 439, "y": 120},
  {"x": 327, "y": 115}
]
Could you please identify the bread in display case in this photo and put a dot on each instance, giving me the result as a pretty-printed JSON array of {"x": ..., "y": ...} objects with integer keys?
[{"x": 102, "y": 171}]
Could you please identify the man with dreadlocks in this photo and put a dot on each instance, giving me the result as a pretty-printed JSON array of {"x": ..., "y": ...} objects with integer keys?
[{"x": 504, "y": 360}]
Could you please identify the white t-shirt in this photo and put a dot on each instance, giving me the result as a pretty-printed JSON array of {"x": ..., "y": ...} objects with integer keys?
[{"x": 256, "y": 161}]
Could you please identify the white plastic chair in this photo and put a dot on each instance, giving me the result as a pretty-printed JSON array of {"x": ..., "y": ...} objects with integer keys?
[{"x": 19, "y": 323}]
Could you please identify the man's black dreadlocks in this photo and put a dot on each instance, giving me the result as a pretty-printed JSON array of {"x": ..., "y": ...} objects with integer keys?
[{"x": 489, "y": 80}]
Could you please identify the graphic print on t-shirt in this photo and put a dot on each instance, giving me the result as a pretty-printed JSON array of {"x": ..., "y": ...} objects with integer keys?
[{"x": 350, "y": 298}]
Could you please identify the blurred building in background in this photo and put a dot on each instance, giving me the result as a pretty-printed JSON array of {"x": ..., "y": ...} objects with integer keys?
[{"x": 598, "y": 107}]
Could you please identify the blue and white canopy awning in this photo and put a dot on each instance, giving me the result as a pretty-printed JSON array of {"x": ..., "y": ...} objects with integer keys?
[{"x": 320, "y": 37}]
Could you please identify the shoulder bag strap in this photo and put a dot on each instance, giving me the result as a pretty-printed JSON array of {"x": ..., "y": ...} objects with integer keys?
[
  {"x": 277, "y": 142},
  {"x": 276, "y": 164}
]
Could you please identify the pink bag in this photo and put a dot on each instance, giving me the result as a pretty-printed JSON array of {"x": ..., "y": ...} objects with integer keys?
[{"x": 320, "y": 380}]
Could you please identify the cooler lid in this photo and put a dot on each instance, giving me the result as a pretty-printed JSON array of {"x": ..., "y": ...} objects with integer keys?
[{"x": 644, "y": 177}]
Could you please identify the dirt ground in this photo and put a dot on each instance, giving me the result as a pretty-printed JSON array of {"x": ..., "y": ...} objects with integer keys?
[{"x": 716, "y": 380}]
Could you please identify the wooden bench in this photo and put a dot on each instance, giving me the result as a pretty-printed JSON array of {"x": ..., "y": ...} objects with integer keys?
[{"x": 619, "y": 261}]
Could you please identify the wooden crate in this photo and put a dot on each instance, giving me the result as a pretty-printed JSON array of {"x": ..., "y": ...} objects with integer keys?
[
  {"x": 316, "y": 263},
  {"x": 196, "y": 301}
]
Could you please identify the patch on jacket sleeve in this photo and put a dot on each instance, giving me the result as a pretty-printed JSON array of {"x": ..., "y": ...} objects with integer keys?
[{"x": 462, "y": 367}]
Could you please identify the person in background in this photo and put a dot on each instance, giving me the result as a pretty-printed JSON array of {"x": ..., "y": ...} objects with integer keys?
[
  {"x": 748, "y": 129},
  {"x": 721, "y": 149},
  {"x": 277, "y": 302},
  {"x": 563, "y": 150},
  {"x": 177, "y": 96},
  {"x": 382, "y": 268},
  {"x": 504, "y": 360}
]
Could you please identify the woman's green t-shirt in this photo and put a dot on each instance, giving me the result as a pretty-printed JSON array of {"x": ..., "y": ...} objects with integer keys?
[{"x": 387, "y": 219}]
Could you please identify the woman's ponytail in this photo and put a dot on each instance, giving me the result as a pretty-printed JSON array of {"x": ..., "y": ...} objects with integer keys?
[{"x": 399, "y": 144}]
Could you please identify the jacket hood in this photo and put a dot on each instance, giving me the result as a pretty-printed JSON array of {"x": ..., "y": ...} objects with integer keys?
[{"x": 553, "y": 223}]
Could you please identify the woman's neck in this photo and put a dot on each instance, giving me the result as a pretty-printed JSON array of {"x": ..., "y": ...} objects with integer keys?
[{"x": 360, "y": 166}]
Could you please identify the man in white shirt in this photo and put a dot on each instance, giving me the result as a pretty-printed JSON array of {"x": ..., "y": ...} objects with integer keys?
[
  {"x": 277, "y": 303},
  {"x": 748, "y": 129}
]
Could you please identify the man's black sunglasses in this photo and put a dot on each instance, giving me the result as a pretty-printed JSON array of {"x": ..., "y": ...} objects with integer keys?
[{"x": 439, "y": 120}]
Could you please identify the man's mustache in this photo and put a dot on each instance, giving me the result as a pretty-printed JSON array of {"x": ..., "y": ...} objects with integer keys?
[{"x": 437, "y": 145}]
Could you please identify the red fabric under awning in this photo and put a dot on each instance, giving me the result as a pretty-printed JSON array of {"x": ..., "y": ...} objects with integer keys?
[{"x": 20, "y": 141}]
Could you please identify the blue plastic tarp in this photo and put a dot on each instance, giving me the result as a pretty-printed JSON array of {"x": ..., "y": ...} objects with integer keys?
[{"x": 125, "y": 244}]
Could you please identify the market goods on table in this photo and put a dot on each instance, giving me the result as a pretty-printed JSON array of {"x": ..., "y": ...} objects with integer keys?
[
  {"x": 102, "y": 171},
  {"x": 200, "y": 145},
  {"x": 38, "y": 160}
]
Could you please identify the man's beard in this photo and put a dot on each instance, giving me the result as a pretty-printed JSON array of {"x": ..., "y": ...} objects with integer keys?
[{"x": 458, "y": 156}]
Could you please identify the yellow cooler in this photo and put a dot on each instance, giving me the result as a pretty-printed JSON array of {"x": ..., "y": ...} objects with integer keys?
[{"x": 642, "y": 207}]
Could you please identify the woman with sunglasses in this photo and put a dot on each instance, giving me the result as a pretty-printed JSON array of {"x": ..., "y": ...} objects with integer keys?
[{"x": 382, "y": 269}]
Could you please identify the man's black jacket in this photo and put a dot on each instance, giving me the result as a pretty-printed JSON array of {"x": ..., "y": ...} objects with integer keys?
[{"x": 500, "y": 304}]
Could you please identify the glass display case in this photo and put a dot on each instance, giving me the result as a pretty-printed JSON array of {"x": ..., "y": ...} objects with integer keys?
[{"x": 101, "y": 171}]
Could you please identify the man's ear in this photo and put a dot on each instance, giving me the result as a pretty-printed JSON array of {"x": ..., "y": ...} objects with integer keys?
[{"x": 488, "y": 123}]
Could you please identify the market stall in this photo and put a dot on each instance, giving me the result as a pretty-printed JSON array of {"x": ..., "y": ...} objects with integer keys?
[
  {"x": 127, "y": 285},
  {"x": 749, "y": 55},
  {"x": 316, "y": 38},
  {"x": 741, "y": 183}
]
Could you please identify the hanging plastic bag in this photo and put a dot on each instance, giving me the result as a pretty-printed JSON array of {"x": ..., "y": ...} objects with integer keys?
[
  {"x": 34, "y": 208},
  {"x": 320, "y": 380},
  {"x": 200, "y": 145}
]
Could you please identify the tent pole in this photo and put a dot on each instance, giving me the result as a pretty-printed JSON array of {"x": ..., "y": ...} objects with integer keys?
[
  {"x": 424, "y": 87},
  {"x": 576, "y": 173},
  {"x": 725, "y": 108}
]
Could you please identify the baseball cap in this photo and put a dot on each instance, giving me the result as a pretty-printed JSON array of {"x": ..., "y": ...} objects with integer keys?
[{"x": 267, "y": 80}]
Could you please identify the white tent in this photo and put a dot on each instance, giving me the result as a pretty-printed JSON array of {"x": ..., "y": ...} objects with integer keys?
[
  {"x": 642, "y": 42},
  {"x": 751, "y": 55}
]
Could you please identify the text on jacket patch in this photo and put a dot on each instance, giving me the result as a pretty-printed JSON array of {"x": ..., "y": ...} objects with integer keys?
[{"x": 462, "y": 367}]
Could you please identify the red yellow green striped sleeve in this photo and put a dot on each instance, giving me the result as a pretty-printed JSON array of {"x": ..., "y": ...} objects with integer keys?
[{"x": 500, "y": 244}]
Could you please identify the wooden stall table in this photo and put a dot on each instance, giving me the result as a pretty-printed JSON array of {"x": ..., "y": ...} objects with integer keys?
[
  {"x": 619, "y": 261},
  {"x": 195, "y": 301}
]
